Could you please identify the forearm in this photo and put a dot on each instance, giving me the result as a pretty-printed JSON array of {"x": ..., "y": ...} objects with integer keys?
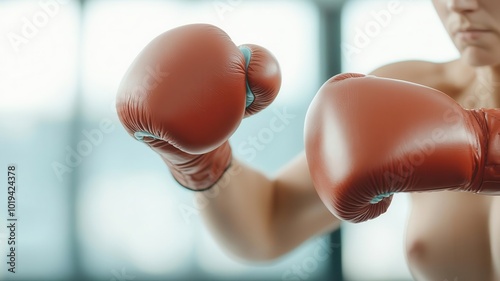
[
  {"x": 238, "y": 211},
  {"x": 299, "y": 213},
  {"x": 258, "y": 218}
]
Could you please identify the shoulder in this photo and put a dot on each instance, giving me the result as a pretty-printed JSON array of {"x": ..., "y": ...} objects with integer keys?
[
  {"x": 421, "y": 72},
  {"x": 439, "y": 76}
]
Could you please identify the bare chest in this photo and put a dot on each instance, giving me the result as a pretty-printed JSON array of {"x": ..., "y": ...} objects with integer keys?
[{"x": 454, "y": 236}]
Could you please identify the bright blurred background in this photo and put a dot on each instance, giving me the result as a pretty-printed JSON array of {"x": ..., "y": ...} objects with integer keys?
[{"x": 106, "y": 208}]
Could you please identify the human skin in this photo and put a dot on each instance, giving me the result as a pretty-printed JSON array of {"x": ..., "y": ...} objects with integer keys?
[{"x": 450, "y": 235}]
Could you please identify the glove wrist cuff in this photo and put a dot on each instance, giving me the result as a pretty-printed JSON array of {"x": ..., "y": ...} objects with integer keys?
[
  {"x": 490, "y": 149},
  {"x": 204, "y": 171}
]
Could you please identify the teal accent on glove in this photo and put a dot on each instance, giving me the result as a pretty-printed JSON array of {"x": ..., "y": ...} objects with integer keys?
[
  {"x": 140, "y": 136},
  {"x": 380, "y": 197},
  {"x": 247, "y": 53}
]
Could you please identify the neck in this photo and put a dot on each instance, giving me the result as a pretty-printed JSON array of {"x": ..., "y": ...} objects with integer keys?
[
  {"x": 480, "y": 85},
  {"x": 487, "y": 79}
]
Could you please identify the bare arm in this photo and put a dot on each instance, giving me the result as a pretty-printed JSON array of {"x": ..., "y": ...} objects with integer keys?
[{"x": 257, "y": 218}]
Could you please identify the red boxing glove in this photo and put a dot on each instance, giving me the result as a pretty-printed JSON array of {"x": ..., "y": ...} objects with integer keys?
[
  {"x": 367, "y": 138},
  {"x": 187, "y": 92}
]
